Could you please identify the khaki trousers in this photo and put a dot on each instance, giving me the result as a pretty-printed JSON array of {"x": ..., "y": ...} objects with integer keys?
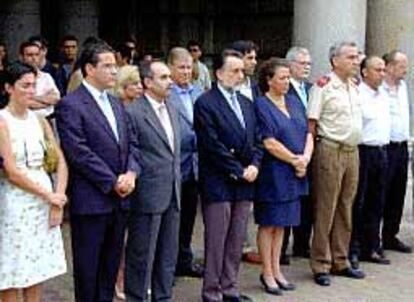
[{"x": 335, "y": 181}]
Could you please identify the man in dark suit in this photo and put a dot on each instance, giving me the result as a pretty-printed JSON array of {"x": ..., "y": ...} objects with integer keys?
[
  {"x": 100, "y": 152},
  {"x": 300, "y": 66},
  {"x": 229, "y": 159},
  {"x": 182, "y": 97},
  {"x": 152, "y": 246}
]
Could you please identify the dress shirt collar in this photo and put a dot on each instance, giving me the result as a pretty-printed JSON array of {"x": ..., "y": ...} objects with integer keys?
[
  {"x": 372, "y": 92},
  {"x": 245, "y": 84},
  {"x": 391, "y": 91},
  {"x": 337, "y": 82},
  {"x": 96, "y": 93},
  {"x": 227, "y": 94},
  {"x": 180, "y": 90},
  {"x": 156, "y": 105},
  {"x": 297, "y": 84}
]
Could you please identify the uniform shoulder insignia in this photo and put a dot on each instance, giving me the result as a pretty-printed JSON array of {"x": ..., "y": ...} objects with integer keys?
[{"x": 323, "y": 81}]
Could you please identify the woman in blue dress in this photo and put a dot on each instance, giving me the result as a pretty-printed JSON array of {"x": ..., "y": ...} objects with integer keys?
[{"x": 282, "y": 179}]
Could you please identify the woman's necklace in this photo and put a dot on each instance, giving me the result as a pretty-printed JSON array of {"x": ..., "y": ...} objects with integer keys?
[{"x": 279, "y": 102}]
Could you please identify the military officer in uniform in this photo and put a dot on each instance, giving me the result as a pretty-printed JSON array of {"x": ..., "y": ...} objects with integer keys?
[{"x": 335, "y": 121}]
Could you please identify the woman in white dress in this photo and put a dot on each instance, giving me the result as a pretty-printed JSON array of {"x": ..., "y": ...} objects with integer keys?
[{"x": 31, "y": 245}]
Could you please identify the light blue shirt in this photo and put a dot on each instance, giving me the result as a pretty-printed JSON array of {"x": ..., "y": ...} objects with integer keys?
[
  {"x": 101, "y": 98},
  {"x": 399, "y": 110},
  {"x": 301, "y": 90},
  {"x": 185, "y": 96}
]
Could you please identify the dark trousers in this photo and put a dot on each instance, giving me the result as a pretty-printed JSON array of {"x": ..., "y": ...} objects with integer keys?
[
  {"x": 301, "y": 233},
  {"x": 189, "y": 201},
  {"x": 97, "y": 242},
  {"x": 396, "y": 187},
  {"x": 368, "y": 207},
  {"x": 225, "y": 226},
  {"x": 151, "y": 254}
]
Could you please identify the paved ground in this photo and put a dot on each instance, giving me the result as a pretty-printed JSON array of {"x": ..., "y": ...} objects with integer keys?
[{"x": 383, "y": 283}]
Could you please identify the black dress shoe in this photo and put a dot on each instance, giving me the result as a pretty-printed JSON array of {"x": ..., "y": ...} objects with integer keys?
[
  {"x": 194, "y": 271},
  {"x": 241, "y": 298},
  {"x": 322, "y": 279},
  {"x": 376, "y": 258},
  {"x": 397, "y": 245},
  {"x": 269, "y": 289},
  {"x": 285, "y": 286},
  {"x": 284, "y": 260},
  {"x": 353, "y": 259},
  {"x": 350, "y": 273}
]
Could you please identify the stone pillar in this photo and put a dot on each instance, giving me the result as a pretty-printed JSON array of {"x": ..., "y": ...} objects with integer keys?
[
  {"x": 318, "y": 24},
  {"x": 19, "y": 20},
  {"x": 79, "y": 18},
  {"x": 390, "y": 26}
]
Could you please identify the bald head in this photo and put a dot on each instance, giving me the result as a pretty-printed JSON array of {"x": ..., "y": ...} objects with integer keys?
[{"x": 373, "y": 71}]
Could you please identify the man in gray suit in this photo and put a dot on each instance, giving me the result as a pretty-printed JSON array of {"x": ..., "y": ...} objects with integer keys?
[
  {"x": 183, "y": 96},
  {"x": 152, "y": 246}
]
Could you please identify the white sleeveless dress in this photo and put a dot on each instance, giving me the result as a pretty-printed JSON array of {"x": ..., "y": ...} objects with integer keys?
[{"x": 30, "y": 251}]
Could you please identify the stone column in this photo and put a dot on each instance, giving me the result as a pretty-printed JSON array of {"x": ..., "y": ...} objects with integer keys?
[
  {"x": 79, "y": 18},
  {"x": 19, "y": 20},
  {"x": 390, "y": 26},
  {"x": 318, "y": 24}
]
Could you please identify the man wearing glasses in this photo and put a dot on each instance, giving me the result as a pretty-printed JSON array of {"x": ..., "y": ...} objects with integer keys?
[
  {"x": 201, "y": 75},
  {"x": 300, "y": 66}
]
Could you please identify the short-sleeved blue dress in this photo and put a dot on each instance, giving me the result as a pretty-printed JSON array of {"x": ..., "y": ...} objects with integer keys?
[{"x": 278, "y": 189}]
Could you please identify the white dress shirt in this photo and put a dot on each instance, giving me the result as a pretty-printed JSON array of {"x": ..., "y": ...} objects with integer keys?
[
  {"x": 45, "y": 83},
  {"x": 101, "y": 98},
  {"x": 246, "y": 89},
  {"x": 399, "y": 110},
  {"x": 162, "y": 113},
  {"x": 376, "y": 120}
]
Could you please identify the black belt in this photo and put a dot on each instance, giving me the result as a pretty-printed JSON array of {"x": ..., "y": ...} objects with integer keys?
[
  {"x": 398, "y": 144},
  {"x": 370, "y": 147}
]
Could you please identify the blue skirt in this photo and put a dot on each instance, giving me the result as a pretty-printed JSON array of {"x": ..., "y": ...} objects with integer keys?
[{"x": 277, "y": 214}]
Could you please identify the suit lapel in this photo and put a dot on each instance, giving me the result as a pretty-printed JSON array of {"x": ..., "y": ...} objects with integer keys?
[
  {"x": 228, "y": 111},
  {"x": 180, "y": 107},
  {"x": 154, "y": 122},
  {"x": 97, "y": 113},
  {"x": 175, "y": 125},
  {"x": 116, "y": 108}
]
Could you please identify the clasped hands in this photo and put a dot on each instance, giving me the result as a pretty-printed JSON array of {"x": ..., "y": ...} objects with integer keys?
[
  {"x": 250, "y": 173},
  {"x": 300, "y": 163},
  {"x": 125, "y": 184}
]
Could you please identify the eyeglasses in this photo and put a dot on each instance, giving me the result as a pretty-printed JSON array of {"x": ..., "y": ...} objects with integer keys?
[{"x": 194, "y": 49}]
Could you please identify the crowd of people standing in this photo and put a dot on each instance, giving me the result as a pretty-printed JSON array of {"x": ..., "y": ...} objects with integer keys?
[{"x": 138, "y": 145}]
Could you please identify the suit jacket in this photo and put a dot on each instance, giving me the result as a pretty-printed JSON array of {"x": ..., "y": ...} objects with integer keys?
[
  {"x": 255, "y": 89},
  {"x": 160, "y": 176},
  {"x": 94, "y": 156},
  {"x": 225, "y": 147},
  {"x": 189, "y": 155},
  {"x": 294, "y": 94}
]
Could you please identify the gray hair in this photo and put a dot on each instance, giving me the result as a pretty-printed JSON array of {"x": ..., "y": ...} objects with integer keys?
[
  {"x": 294, "y": 51},
  {"x": 336, "y": 49},
  {"x": 177, "y": 53}
]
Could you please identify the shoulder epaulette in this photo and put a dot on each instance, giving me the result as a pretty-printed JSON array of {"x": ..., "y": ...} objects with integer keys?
[{"x": 323, "y": 81}]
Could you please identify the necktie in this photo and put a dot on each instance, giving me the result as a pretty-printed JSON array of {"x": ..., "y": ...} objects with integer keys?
[
  {"x": 166, "y": 124},
  {"x": 303, "y": 95},
  {"x": 109, "y": 114},
  {"x": 237, "y": 110}
]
